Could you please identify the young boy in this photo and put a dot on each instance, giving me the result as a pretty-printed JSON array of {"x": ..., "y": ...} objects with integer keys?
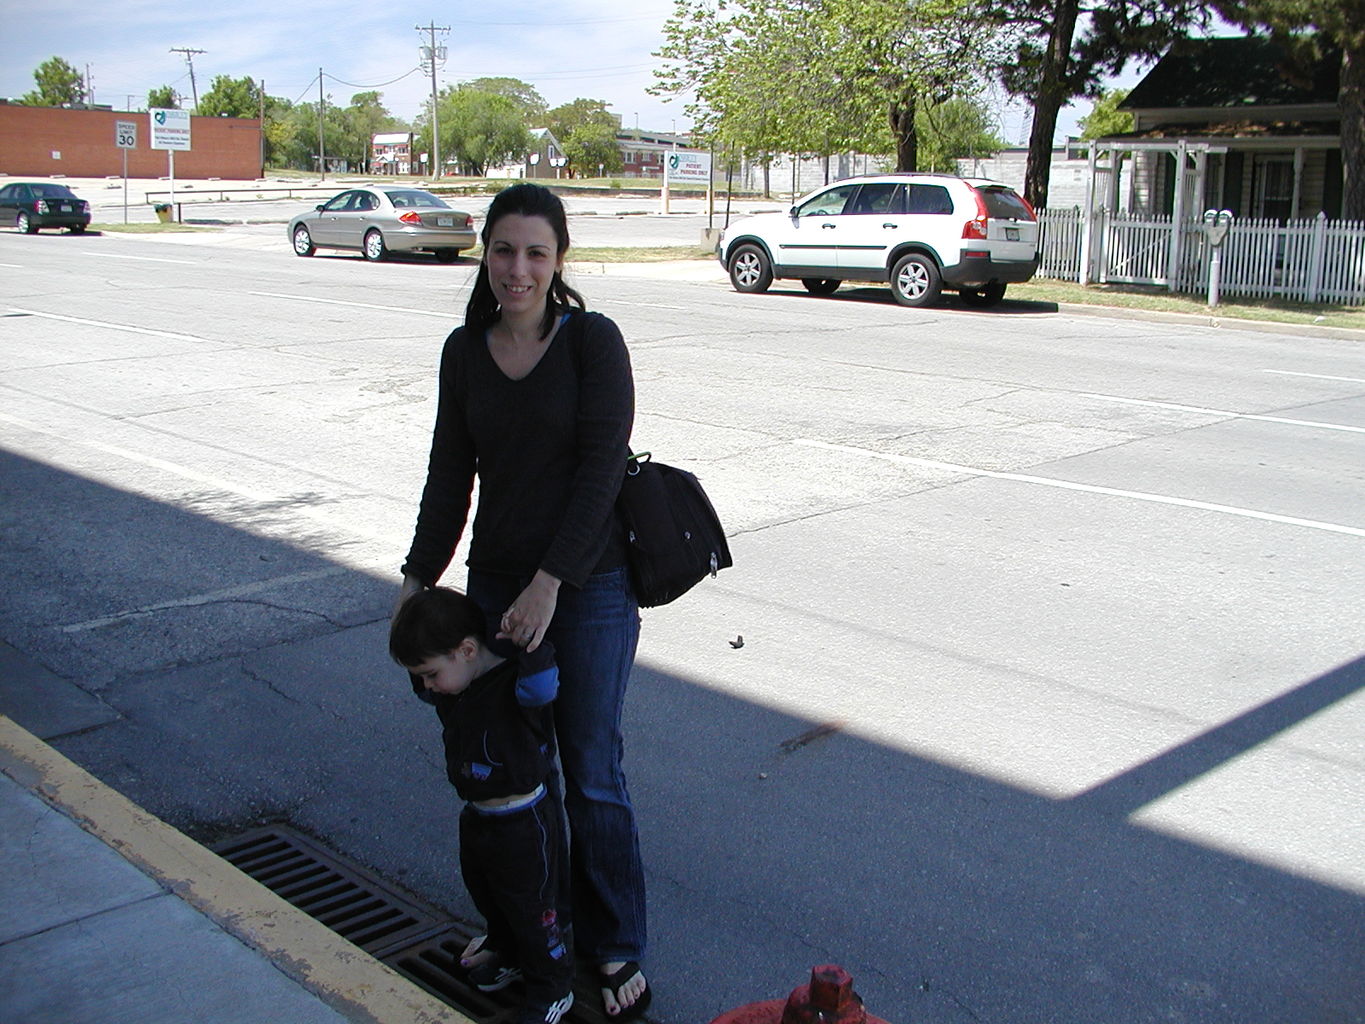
[{"x": 499, "y": 742}]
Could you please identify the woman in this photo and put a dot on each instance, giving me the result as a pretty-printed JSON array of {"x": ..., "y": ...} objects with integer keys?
[{"x": 537, "y": 401}]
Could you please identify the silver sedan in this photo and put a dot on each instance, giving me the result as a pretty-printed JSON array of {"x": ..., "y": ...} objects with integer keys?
[{"x": 378, "y": 220}]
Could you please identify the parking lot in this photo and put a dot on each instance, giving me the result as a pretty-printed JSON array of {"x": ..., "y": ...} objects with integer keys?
[{"x": 1048, "y": 705}]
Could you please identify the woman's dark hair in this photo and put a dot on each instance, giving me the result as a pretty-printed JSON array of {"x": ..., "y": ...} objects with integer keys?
[
  {"x": 529, "y": 201},
  {"x": 434, "y": 622}
]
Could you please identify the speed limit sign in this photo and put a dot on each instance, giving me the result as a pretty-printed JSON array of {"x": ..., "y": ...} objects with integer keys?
[{"x": 125, "y": 134}]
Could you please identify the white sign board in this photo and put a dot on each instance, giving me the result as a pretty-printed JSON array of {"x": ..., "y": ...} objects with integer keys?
[
  {"x": 125, "y": 134},
  {"x": 681, "y": 165},
  {"x": 170, "y": 128}
]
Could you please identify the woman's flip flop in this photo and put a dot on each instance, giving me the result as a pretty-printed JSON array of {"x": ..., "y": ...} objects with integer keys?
[{"x": 615, "y": 981}]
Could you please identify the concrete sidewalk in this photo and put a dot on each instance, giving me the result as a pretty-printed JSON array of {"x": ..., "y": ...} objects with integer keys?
[{"x": 108, "y": 915}]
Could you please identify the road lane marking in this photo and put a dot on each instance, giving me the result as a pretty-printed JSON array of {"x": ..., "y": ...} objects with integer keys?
[
  {"x": 107, "y": 325},
  {"x": 1196, "y": 410},
  {"x": 1112, "y": 492},
  {"x": 11, "y": 266},
  {"x": 144, "y": 259},
  {"x": 357, "y": 305},
  {"x": 212, "y": 597},
  {"x": 1316, "y": 376}
]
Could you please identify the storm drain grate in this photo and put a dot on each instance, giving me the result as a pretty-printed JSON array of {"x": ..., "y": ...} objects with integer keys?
[
  {"x": 345, "y": 897},
  {"x": 419, "y": 943}
]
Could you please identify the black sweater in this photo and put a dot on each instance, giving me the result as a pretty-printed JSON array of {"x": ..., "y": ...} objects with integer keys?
[{"x": 549, "y": 451}]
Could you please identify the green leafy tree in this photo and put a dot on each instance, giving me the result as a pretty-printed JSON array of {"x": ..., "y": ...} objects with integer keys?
[
  {"x": 952, "y": 130},
  {"x": 1065, "y": 49},
  {"x": 478, "y": 129},
  {"x": 530, "y": 102},
  {"x": 231, "y": 97},
  {"x": 819, "y": 76},
  {"x": 587, "y": 131},
  {"x": 59, "y": 85},
  {"x": 1105, "y": 118},
  {"x": 367, "y": 117},
  {"x": 162, "y": 98},
  {"x": 1320, "y": 27}
]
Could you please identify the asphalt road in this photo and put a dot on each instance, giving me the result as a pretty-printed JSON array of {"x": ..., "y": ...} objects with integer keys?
[{"x": 1049, "y": 702}]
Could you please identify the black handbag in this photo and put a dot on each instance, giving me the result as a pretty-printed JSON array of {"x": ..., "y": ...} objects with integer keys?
[{"x": 673, "y": 535}]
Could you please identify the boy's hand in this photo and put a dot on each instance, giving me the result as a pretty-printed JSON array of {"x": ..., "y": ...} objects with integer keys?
[
  {"x": 528, "y": 617},
  {"x": 411, "y": 585}
]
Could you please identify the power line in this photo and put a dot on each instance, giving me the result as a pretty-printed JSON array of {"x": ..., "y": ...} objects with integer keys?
[{"x": 377, "y": 85}]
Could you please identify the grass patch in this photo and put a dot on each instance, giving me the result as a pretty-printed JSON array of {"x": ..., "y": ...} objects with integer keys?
[
  {"x": 147, "y": 229},
  {"x": 641, "y": 254},
  {"x": 1159, "y": 300}
]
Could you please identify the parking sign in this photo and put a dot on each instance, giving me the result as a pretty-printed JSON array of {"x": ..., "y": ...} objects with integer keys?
[
  {"x": 170, "y": 128},
  {"x": 125, "y": 134}
]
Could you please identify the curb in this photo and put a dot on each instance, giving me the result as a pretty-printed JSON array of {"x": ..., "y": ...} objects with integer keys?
[{"x": 340, "y": 974}]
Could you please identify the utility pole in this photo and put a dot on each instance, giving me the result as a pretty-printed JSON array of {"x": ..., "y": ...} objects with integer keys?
[
  {"x": 322, "y": 156},
  {"x": 189, "y": 59},
  {"x": 433, "y": 56},
  {"x": 89, "y": 87}
]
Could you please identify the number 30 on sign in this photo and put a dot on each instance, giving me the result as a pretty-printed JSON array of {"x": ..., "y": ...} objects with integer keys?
[{"x": 125, "y": 134}]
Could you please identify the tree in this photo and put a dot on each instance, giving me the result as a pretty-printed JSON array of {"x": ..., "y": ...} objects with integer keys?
[
  {"x": 1105, "y": 118},
  {"x": 59, "y": 85},
  {"x": 587, "y": 131},
  {"x": 478, "y": 129},
  {"x": 1334, "y": 25},
  {"x": 953, "y": 130},
  {"x": 231, "y": 97},
  {"x": 367, "y": 117},
  {"x": 162, "y": 98},
  {"x": 528, "y": 101},
  {"x": 1053, "y": 63}
]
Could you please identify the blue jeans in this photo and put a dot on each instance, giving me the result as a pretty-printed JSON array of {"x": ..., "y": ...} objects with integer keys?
[{"x": 594, "y": 631}]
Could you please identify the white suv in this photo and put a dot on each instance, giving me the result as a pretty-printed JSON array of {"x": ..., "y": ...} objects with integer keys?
[{"x": 920, "y": 233}]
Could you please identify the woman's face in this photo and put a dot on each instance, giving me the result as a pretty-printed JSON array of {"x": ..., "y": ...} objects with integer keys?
[{"x": 522, "y": 258}]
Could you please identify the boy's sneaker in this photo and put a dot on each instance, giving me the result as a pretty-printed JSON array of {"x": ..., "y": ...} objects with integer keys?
[
  {"x": 552, "y": 1014},
  {"x": 493, "y": 975}
]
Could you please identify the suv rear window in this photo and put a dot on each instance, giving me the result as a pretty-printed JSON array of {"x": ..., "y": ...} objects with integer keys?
[
  {"x": 930, "y": 199},
  {"x": 1004, "y": 204}
]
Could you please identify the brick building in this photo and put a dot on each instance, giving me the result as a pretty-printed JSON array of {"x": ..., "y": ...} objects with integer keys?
[{"x": 45, "y": 141}]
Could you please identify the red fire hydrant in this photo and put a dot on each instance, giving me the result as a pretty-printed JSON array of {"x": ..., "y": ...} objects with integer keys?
[{"x": 828, "y": 999}]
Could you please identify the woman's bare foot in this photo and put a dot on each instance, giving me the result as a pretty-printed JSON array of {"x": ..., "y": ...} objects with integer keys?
[{"x": 623, "y": 996}]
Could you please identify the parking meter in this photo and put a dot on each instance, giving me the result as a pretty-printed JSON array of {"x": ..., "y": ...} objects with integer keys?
[{"x": 1216, "y": 225}]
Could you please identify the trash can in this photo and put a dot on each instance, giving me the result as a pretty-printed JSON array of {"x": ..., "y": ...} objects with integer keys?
[{"x": 163, "y": 212}]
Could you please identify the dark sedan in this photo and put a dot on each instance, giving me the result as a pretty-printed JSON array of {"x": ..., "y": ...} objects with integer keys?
[{"x": 30, "y": 205}]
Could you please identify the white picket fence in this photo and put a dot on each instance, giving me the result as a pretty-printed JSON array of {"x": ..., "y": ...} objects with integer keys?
[{"x": 1317, "y": 260}]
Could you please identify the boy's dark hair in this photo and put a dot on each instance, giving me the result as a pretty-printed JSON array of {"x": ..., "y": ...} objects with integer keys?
[{"x": 434, "y": 622}]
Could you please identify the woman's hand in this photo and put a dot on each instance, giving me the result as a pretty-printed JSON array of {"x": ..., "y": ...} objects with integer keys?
[
  {"x": 528, "y": 617},
  {"x": 411, "y": 585}
]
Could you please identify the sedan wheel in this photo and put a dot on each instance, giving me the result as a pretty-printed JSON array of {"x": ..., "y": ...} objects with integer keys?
[
  {"x": 375, "y": 250},
  {"x": 983, "y": 297},
  {"x": 447, "y": 255},
  {"x": 820, "y": 285},
  {"x": 915, "y": 280},
  {"x": 303, "y": 242},
  {"x": 750, "y": 270},
  {"x": 25, "y": 224}
]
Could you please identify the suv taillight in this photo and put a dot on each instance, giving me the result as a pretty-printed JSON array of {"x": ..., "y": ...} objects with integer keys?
[
  {"x": 976, "y": 227},
  {"x": 410, "y": 217},
  {"x": 40, "y": 206}
]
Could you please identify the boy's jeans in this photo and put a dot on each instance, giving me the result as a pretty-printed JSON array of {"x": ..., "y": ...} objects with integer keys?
[{"x": 594, "y": 631}]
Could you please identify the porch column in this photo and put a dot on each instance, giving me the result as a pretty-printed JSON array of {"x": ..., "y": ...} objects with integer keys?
[
  {"x": 1298, "y": 183},
  {"x": 1177, "y": 217},
  {"x": 1088, "y": 217}
]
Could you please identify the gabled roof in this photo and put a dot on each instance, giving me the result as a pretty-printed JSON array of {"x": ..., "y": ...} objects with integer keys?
[{"x": 1240, "y": 72}]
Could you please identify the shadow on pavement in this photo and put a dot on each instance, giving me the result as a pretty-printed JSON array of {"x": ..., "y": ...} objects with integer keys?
[{"x": 240, "y": 680}]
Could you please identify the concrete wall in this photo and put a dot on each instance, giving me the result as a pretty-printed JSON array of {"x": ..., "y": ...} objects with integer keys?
[{"x": 43, "y": 141}]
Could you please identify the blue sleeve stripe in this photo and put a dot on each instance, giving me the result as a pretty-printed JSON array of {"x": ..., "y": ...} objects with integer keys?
[{"x": 538, "y": 688}]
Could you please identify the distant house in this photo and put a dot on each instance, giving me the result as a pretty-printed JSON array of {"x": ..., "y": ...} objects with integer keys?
[
  {"x": 1231, "y": 123},
  {"x": 391, "y": 153},
  {"x": 545, "y": 159}
]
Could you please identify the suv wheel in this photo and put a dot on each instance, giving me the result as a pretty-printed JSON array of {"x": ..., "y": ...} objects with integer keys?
[
  {"x": 915, "y": 280},
  {"x": 750, "y": 270},
  {"x": 820, "y": 285},
  {"x": 988, "y": 295}
]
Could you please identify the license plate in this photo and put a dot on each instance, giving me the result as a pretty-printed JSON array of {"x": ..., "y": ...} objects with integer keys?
[
  {"x": 445, "y": 222},
  {"x": 1011, "y": 234}
]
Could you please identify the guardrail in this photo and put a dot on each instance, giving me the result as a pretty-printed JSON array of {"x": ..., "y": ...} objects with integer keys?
[{"x": 190, "y": 194}]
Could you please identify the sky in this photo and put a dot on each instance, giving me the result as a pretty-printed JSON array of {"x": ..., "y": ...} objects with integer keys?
[{"x": 566, "y": 49}]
